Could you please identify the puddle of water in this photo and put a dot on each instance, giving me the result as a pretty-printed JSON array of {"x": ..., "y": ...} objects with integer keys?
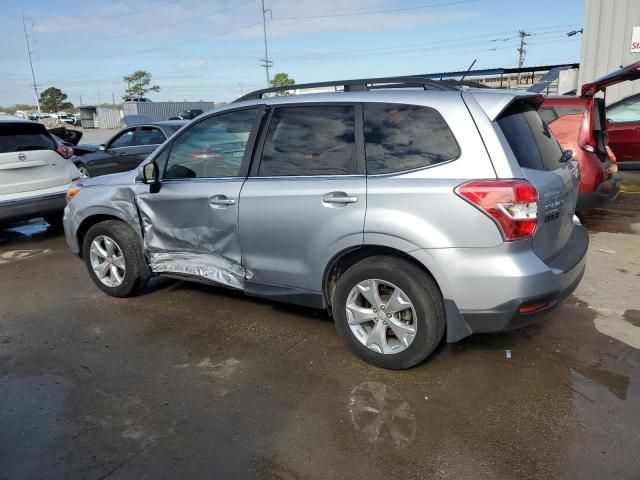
[
  {"x": 612, "y": 324},
  {"x": 615, "y": 383},
  {"x": 632, "y": 316}
]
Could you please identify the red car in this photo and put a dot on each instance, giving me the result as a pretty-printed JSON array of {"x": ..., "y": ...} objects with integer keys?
[
  {"x": 580, "y": 124},
  {"x": 623, "y": 128}
]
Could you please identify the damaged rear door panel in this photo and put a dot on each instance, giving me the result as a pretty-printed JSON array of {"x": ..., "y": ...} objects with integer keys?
[{"x": 190, "y": 224}]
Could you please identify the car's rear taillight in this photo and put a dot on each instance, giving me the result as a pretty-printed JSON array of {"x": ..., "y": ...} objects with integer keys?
[
  {"x": 586, "y": 140},
  {"x": 512, "y": 204},
  {"x": 64, "y": 151}
]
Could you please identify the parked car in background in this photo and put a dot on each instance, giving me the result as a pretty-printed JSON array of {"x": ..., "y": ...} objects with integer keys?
[
  {"x": 623, "y": 129},
  {"x": 187, "y": 114},
  {"x": 580, "y": 124},
  {"x": 35, "y": 172},
  {"x": 405, "y": 213},
  {"x": 125, "y": 150}
]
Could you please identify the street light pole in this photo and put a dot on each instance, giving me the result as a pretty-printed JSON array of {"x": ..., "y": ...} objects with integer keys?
[
  {"x": 30, "y": 53},
  {"x": 267, "y": 63}
]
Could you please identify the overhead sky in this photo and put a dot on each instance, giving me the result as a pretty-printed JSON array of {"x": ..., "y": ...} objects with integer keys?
[{"x": 211, "y": 49}]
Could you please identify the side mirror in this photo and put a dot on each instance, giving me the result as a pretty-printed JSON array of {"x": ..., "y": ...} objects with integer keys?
[
  {"x": 150, "y": 174},
  {"x": 102, "y": 148}
]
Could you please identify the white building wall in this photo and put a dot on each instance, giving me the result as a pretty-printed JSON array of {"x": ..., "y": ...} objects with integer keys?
[{"x": 606, "y": 42}]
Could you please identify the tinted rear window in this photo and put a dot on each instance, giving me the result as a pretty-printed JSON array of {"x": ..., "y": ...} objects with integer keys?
[
  {"x": 532, "y": 142},
  {"x": 314, "y": 140},
  {"x": 405, "y": 137},
  {"x": 24, "y": 137}
]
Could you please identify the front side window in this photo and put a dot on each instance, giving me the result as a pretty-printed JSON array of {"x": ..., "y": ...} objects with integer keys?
[
  {"x": 150, "y": 136},
  {"x": 212, "y": 148},
  {"x": 310, "y": 140},
  {"x": 125, "y": 139},
  {"x": 404, "y": 137}
]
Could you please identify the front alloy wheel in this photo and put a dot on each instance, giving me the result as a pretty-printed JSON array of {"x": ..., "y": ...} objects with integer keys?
[{"x": 107, "y": 261}]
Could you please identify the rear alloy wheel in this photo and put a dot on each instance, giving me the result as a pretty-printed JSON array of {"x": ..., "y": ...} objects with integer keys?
[
  {"x": 113, "y": 256},
  {"x": 381, "y": 316},
  {"x": 389, "y": 311}
]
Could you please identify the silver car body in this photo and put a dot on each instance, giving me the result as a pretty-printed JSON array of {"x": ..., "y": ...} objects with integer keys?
[{"x": 281, "y": 237}]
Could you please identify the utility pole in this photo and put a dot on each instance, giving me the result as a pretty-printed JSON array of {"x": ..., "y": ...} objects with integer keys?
[
  {"x": 522, "y": 51},
  {"x": 266, "y": 62},
  {"x": 241, "y": 85},
  {"x": 30, "y": 54}
]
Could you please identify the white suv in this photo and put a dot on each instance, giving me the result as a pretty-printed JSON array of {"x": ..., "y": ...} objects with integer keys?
[{"x": 35, "y": 172}]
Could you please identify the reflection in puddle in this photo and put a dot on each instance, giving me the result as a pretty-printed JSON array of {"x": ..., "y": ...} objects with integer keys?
[
  {"x": 30, "y": 228},
  {"x": 615, "y": 383},
  {"x": 380, "y": 413}
]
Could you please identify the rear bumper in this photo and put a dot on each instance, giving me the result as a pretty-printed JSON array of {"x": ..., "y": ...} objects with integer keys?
[
  {"x": 26, "y": 208},
  {"x": 485, "y": 289},
  {"x": 606, "y": 192}
]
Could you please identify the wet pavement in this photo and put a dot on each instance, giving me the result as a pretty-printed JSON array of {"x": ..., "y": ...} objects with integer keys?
[{"x": 191, "y": 381}]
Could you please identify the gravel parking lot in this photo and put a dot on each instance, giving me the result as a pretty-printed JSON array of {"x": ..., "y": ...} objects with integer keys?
[{"x": 192, "y": 381}]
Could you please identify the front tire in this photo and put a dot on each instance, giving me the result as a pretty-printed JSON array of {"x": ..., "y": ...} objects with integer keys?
[
  {"x": 84, "y": 171},
  {"x": 389, "y": 312},
  {"x": 114, "y": 259}
]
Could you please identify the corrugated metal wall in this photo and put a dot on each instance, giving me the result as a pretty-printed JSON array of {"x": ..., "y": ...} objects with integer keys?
[
  {"x": 163, "y": 110},
  {"x": 109, "y": 117},
  {"x": 606, "y": 42}
]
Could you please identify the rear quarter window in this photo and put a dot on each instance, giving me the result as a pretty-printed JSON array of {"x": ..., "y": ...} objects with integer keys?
[
  {"x": 23, "y": 137},
  {"x": 530, "y": 139},
  {"x": 405, "y": 137}
]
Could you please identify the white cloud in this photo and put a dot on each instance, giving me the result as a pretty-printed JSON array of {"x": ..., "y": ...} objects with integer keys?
[{"x": 192, "y": 64}]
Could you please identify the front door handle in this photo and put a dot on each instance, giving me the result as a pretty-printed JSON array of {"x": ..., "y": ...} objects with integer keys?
[
  {"x": 221, "y": 200},
  {"x": 339, "y": 198}
]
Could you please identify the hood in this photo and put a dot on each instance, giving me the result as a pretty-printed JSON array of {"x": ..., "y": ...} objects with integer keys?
[
  {"x": 630, "y": 72},
  {"x": 122, "y": 178}
]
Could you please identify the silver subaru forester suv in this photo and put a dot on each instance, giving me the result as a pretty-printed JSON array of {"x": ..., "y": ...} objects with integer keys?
[{"x": 408, "y": 208}]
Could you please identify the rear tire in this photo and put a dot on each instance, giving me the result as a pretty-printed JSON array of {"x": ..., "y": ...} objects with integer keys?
[
  {"x": 54, "y": 219},
  {"x": 420, "y": 309},
  {"x": 114, "y": 259}
]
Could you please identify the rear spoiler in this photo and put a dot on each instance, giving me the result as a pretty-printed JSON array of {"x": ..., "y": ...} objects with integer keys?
[{"x": 495, "y": 102}]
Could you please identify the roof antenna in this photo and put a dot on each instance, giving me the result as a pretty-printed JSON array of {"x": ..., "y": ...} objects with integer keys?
[{"x": 468, "y": 70}]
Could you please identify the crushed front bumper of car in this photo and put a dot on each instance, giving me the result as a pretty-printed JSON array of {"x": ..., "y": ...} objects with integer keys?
[
  {"x": 32, "y": 207},
  {"x": 505, "y": 287},
  {"x": 606, "y": 192}
]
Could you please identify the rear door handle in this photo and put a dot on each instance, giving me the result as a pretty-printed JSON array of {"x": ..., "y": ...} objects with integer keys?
[
  {"x": 221, "y": 200},
  {"x": 339, "y": 198}
]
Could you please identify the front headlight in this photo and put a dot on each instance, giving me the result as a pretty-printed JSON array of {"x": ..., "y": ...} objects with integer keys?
[{"x": 72, "y": 192}]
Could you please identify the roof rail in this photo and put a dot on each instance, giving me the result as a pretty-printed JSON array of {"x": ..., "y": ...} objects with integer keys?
[{"x": 359, "y": 85}]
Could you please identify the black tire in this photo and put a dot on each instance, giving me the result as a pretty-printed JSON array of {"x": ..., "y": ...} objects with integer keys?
[
  {"x": 54, "y": 219},
  {"x": 421, "y": 290},
  {"x": 137, "y": 271}
]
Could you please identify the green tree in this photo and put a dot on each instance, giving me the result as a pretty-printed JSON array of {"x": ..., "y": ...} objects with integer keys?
[
  {"x": 282, "y": 80},
  {"x": 138, "y": 83},
  {"x": 53, "y": 100}
]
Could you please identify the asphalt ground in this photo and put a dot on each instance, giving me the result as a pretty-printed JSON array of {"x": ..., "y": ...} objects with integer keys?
[{"x": 189, "y": 381}]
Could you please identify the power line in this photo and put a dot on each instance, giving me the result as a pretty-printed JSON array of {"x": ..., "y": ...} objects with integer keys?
[
  {"x": 373, "y": 12},
  {"x": 124, "y": 14},
  {"x": 163, "y": 47},
  {"x": 187, "y": 20}
]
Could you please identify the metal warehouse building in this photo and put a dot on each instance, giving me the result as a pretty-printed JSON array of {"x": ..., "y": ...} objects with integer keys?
[{"x": 611, "y": 38}]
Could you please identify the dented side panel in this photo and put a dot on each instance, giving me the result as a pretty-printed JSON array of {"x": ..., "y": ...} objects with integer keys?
[{"x": 190, "y": 228}]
